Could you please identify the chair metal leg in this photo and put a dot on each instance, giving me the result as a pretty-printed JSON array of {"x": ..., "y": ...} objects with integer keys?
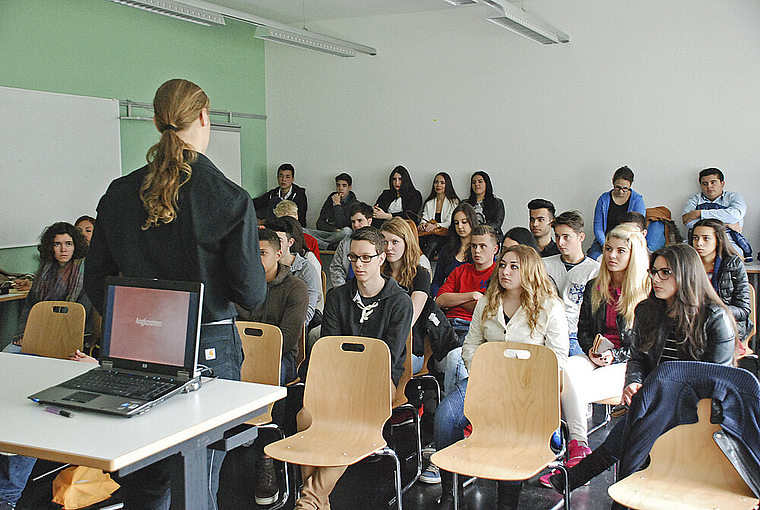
[
  {"x": 286, "y": 477},
  {"x": 603, "y": 423},
  {"x": 565, "y": 503},
  {"x": 456, "y": 490},
  {"x": 397, "y": 472}
]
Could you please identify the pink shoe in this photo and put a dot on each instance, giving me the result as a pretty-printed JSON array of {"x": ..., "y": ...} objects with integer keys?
[{"x": 576, "y": 452}]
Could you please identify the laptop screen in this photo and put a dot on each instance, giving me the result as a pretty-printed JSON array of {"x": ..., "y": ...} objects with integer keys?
[{"x": 152, "y": 325}]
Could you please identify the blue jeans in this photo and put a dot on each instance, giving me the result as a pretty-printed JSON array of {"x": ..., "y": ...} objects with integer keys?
[
  {"x": 575, "y": 347},
  {"x": 455, "y": 370},
  {"x": 14, "y": 472},
  {"x": 150, "y": 488},
  {"x": 287, "y": 368}
]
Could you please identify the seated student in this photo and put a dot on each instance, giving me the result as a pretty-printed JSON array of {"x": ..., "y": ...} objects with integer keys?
[
  {"x": 369, "y": 305},
  {"x": 360, "y": 215},
  {"x": 726, "y": 206},
  {"x": 59, "y": 278},
  {"x": 457, "y": 249},
  {"x": 520, "y": 305},
  {"x": 85, "y": 224},
  {"x": 488, "y": 207},
  {"x": 571, "y": 270},
  {"x": 284, "y": 306},
  {"x": 436, "y": 214},
  {"x": 607, "y": 310},
  {"x": 682, "y": 319},
  {"x": 611, "y": 205},
  {"x": 289, "y": 208},
  {"x": 334, "y": 223},
  {"x": 519, "y": 235},
  {"x": 725, "y": 269},
  {"x": 402, "y": 263},
  {"x": 540, "y": 216},
  {"x": 461, "y": 291},
  {"x": 288, "y": 230},
  {"x": 287, "y": 190},
  {"x": 400, "y": 199}
]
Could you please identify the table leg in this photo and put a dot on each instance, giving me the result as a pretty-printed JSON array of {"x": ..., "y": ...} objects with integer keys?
[{"x": 190, "y": 492}]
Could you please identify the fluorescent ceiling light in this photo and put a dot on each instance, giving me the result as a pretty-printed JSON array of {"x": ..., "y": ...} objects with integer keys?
[
  {"x": 317, "y": 42},
  {"x": 461, "y": 2},
  {"x": 176, "y": 10},
  {"x": 520, "y": 22}
]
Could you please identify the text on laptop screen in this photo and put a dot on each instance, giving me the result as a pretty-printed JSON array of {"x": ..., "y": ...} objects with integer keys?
[{"x": 149, "y": 325}]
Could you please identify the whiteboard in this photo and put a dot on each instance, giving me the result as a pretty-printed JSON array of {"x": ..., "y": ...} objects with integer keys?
[
  {"x": 59, "y": 153},
  {"x": 224, "y": 151}
]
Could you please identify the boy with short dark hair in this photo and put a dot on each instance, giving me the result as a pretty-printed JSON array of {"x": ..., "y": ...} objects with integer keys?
[
  {"x": 287, "y": 190},
  {"x": 360, "y": 215},
  {"x": 571, "y": 269},
  {"x": 540, "y": 216},
  {"x": 334, "y": 222}
]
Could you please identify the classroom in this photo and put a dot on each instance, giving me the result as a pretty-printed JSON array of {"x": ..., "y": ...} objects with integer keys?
[{"x": 665, "y": 88}]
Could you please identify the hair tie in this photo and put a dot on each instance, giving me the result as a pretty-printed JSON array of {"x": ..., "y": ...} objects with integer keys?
[{"x": 169, "y": 126}]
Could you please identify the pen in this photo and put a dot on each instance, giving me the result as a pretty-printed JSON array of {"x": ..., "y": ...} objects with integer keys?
[{"x": 62, "y": 412}]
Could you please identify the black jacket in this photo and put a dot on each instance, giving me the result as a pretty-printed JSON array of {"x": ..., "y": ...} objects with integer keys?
[
  {"x": 411, "y": 203},
  {"x": 332, "y": 217},
  {"x": 733, "y": 288},
  {"x": 718, "y": 329},
  {"x": 494, "y": 213},
  {"x": 214, "y": 239},
  {"x": 266, "y": 203},
  {"x": 591, "y": 323},
  {"x": 390, "y": 321}
]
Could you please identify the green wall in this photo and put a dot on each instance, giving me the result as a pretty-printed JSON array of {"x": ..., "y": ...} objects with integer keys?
[{"x": 103, "y": 49}]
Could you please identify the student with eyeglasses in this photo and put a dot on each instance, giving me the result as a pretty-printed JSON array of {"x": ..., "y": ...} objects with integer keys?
[
  {"x": 612, "y": 205},
  {"x": 683, "y": 319},
  {"x": 368, "y": 305}
]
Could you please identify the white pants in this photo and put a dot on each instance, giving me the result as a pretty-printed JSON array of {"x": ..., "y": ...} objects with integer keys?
[{"x": 585, "y": 382}]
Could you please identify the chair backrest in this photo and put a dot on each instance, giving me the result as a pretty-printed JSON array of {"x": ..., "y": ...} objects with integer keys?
[
  {"x": 400, "y": 397},
  {"x": 54, "y": 329},
  {"x": 513, "y": 392},
  {"x": 752, "y": 317},
  {"x": 262, "y": 347},
  {"x": 426, "y": 355},
  {"x": 348, "y": 386}
]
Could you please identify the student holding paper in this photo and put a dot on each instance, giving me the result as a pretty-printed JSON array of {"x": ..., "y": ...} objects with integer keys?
[{"x": 604, "y": 333}]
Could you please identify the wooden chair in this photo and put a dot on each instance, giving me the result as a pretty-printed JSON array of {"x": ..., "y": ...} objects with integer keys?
[
  {"x": 348, "y": 395},
  {"x": 54, "y": 329},
  {"x": 512, "y": 402},
  {"x": 262, "y": 347},
  {"x": 608, "y": 404},
  {"x": 324, "y": 287},
  {"x": 687, "y": 471}
]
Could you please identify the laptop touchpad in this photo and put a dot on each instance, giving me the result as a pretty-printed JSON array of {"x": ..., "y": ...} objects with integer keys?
[{"x": 81, "y": 397}]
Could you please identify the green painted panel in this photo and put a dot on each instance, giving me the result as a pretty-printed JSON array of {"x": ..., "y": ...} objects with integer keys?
[{"x": 103, "y": 49}]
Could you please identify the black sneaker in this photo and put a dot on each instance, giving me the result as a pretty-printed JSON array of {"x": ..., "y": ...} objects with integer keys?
[{"x": 267, "y": 490}]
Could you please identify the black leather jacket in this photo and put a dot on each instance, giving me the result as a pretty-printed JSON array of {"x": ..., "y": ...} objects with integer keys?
[
  {"x": 733, "y": 289},
  {"x": 718, "y": 329},
  {"x": 591, "y": 323}
]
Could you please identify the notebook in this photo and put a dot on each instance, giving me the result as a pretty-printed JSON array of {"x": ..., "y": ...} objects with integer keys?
[{"x": 151, "y": 331}]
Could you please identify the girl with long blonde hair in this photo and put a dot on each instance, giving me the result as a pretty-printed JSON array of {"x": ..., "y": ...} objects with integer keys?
[
  {"x": 520, "y": 305},
  {"x": 605, "y": 327}
]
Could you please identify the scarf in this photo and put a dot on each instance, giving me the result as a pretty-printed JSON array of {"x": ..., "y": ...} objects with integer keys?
[{"x": 64, "y": 285}]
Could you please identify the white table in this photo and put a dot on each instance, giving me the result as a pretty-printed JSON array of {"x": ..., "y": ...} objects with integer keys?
[{"x": 185, "y": 423}]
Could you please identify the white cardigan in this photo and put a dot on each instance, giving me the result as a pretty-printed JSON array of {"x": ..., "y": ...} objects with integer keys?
[
  {"x": 428, "y": 211},
  {"x": 551, "y": 330}
]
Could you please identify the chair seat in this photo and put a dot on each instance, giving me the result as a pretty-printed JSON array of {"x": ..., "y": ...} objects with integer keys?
[
  {"x": 483, "y": 460},
  {"x": 643, "y": 492},
  {"x": 612, "y": 401}
]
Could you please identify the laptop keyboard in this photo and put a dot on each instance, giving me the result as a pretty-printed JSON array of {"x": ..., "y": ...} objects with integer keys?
[{"x": 121, "y": 384}]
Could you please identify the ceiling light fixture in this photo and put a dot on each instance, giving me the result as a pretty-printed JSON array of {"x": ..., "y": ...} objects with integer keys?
[
  {"x": 176, "y": 10},
  {"x": 529, "y": 26},
  {"x": 461, "y": 2},
  {"x": 308, "y": 41}
]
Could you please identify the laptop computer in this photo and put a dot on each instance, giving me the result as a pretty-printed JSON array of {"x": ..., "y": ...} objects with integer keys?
[{"x": 151, "y": 332}]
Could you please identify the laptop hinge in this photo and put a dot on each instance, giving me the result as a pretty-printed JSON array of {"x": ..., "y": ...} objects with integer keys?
[
  {"x": 108, "y": 364},
  {"x": 183, "y": 375}
]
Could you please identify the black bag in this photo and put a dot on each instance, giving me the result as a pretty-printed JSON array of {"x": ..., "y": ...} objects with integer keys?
[{"x": 433, "y": 322}]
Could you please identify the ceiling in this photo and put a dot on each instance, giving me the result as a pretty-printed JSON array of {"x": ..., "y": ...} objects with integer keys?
[{"x": 295, "y": 12}]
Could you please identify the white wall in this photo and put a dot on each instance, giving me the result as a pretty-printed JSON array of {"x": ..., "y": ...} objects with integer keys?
[{"x": 667, "y": 88}]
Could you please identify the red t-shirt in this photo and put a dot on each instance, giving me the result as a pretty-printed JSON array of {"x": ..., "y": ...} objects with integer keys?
[{"x": 465, "y": 279}]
